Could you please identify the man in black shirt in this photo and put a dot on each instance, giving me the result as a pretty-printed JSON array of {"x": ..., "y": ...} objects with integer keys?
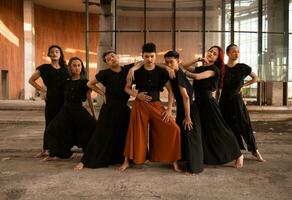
[
  {"x": 107, "y": 143},
  {"x": 148, "y": 111}
]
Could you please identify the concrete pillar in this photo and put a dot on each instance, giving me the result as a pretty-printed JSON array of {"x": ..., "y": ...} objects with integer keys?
[
  {"x": 106, "y": 23},
  {"x": 274, "y": 93},
  {"x": 275, "y": 62},
  {"x": 106, "y": 41},
  {"x": 29, "y": 54}
]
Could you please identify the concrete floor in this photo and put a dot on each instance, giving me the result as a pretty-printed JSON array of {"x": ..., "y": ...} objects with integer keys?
[{"x": 25, "y": 177}]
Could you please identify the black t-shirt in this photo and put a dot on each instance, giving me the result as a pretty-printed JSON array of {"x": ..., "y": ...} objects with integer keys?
[
  {"x": 234, "y": 76},
  {"x": 114, "y": 82},
  {"x": 210, "y": 83},
  {"x": 150, "y": 80},
  {"x": 54, "y": 79},
  {"x": 181, "y": 80},
  {"x": 75, "y": 91}
]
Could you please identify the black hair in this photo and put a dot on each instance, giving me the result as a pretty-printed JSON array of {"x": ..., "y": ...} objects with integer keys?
[
  {"x": 228, "y": 48},
  {"x": 174, "y": 54},
  {"x": 83, "y": 71},
  {"x": 106, "y": 53},
  {"x": 62, "y": 61},
  {"x": 149, "y": 48}
]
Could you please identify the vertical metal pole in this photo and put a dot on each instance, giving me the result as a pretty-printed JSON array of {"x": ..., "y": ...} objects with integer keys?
[
  {"x": 232, "y": 22},
  {"x": 223, "y": 13},
  {"x": 173, "y": 24},
  {"x": 87, "y": 36},
  {"x": 260, "y": 50},
  {"x": 204, "y": 28},
  {"x": 145, "y": 21},
  {"x": 286, "y": 50},
  {"x": 115, "y": 31}
]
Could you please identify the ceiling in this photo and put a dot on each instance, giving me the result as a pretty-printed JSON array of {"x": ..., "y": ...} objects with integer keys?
[{"x": 69, "y": 5}]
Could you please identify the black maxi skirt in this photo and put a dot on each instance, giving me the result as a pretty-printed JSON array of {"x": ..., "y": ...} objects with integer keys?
[
  {"x": 73, "y": 125},
  {"x": 106, "y": 147},
  {"x": 236, "y": 115},
  {"x": 191, "y": 140},
  {"x": 219, "y": 143}
]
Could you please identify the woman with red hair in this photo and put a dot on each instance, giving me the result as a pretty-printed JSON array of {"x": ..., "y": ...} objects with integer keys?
[{"x": 219, "y": 143}]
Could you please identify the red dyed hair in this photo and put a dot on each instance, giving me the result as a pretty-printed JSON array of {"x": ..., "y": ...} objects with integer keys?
[{"x": 220, "y": 64}]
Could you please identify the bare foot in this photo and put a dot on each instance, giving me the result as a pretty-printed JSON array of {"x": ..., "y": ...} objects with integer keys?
[
  {"x": 79, "y": 166},
  {"x": 73, "y": 156},
  {"x": 124, "y": 166},
  {"x": 239, "y": 162},
  {"x": 258, "y": 156},
  {"x": 189, "y": 174},
  {"x": 43, "y": 153},
  {"x": 176, "y": 167},
  {"x": 48, "y": 158},
  {"x": 147, "y": 162}
]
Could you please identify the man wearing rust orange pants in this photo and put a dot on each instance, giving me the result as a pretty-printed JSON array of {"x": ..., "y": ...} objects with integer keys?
[{"x": 148, "y": 111}]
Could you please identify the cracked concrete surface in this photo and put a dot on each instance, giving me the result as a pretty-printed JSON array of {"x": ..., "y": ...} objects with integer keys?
[{"x": 25, "y": 177}]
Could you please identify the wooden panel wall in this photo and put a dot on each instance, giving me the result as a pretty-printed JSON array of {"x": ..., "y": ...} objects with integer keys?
[
  {"x": 11, "y": 55},
  {"x": 66, "y": 29}
]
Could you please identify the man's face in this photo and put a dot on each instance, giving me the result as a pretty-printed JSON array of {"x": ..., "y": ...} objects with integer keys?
[
  {"x": 149, "y": 58},
  {"x": 55, "y": 54},
  {"x": 171, "y": 62},
  {"x": 112, "y": 59},
  {"x": 233, "y": 53}
]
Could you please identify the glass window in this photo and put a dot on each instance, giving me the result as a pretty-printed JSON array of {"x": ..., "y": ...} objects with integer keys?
[
  {"x": 129, "y": 51},
  {"x": 189, "y": 45},
  {"x": 130, "y": 15},
  {"x": 163, "y": 43},
  {"x": 248, "y": 44},
  {"x": 213, "y": 15},
  {"x": 273, "y": 16},
  {"x": 227, "y": 15},
  {"x": 272, "y": 64},
  {"x": 159, "y": 14},
  {"x": 189, "y": 15},
  {"x": 274, "y": 59},
  {"x": 246, "y": 15},
  {"x": 274, "y": 47},
  {"x": 212, "y": 38}
]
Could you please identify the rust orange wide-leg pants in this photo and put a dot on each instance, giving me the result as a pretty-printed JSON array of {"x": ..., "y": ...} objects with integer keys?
[{"x": 164, "y": 144}]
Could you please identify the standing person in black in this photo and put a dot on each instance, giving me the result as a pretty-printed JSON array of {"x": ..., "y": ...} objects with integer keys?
[
  {"x": 73, "y": 125},
  {"x": 219, "y": 143},
  {"x": 54, "y": 76},
  {"x": 187, "y": 116},
  {"x": 231, "y": 103},
  {"x": 107, "y": 143}
]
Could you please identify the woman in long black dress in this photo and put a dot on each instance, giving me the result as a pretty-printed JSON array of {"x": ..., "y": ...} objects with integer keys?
[
  {"x": 219, "y": 143},
  {"x": 187, "y": 116},
  {"x": 54, "y": 76},
  {"x": 73, "y": 125},
  {"x": 231, "y": 103},
  {"x": 107, "y": 143}
]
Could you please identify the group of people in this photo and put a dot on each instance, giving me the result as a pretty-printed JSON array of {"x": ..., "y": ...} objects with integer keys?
[{"x": 203, "y": 132}]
